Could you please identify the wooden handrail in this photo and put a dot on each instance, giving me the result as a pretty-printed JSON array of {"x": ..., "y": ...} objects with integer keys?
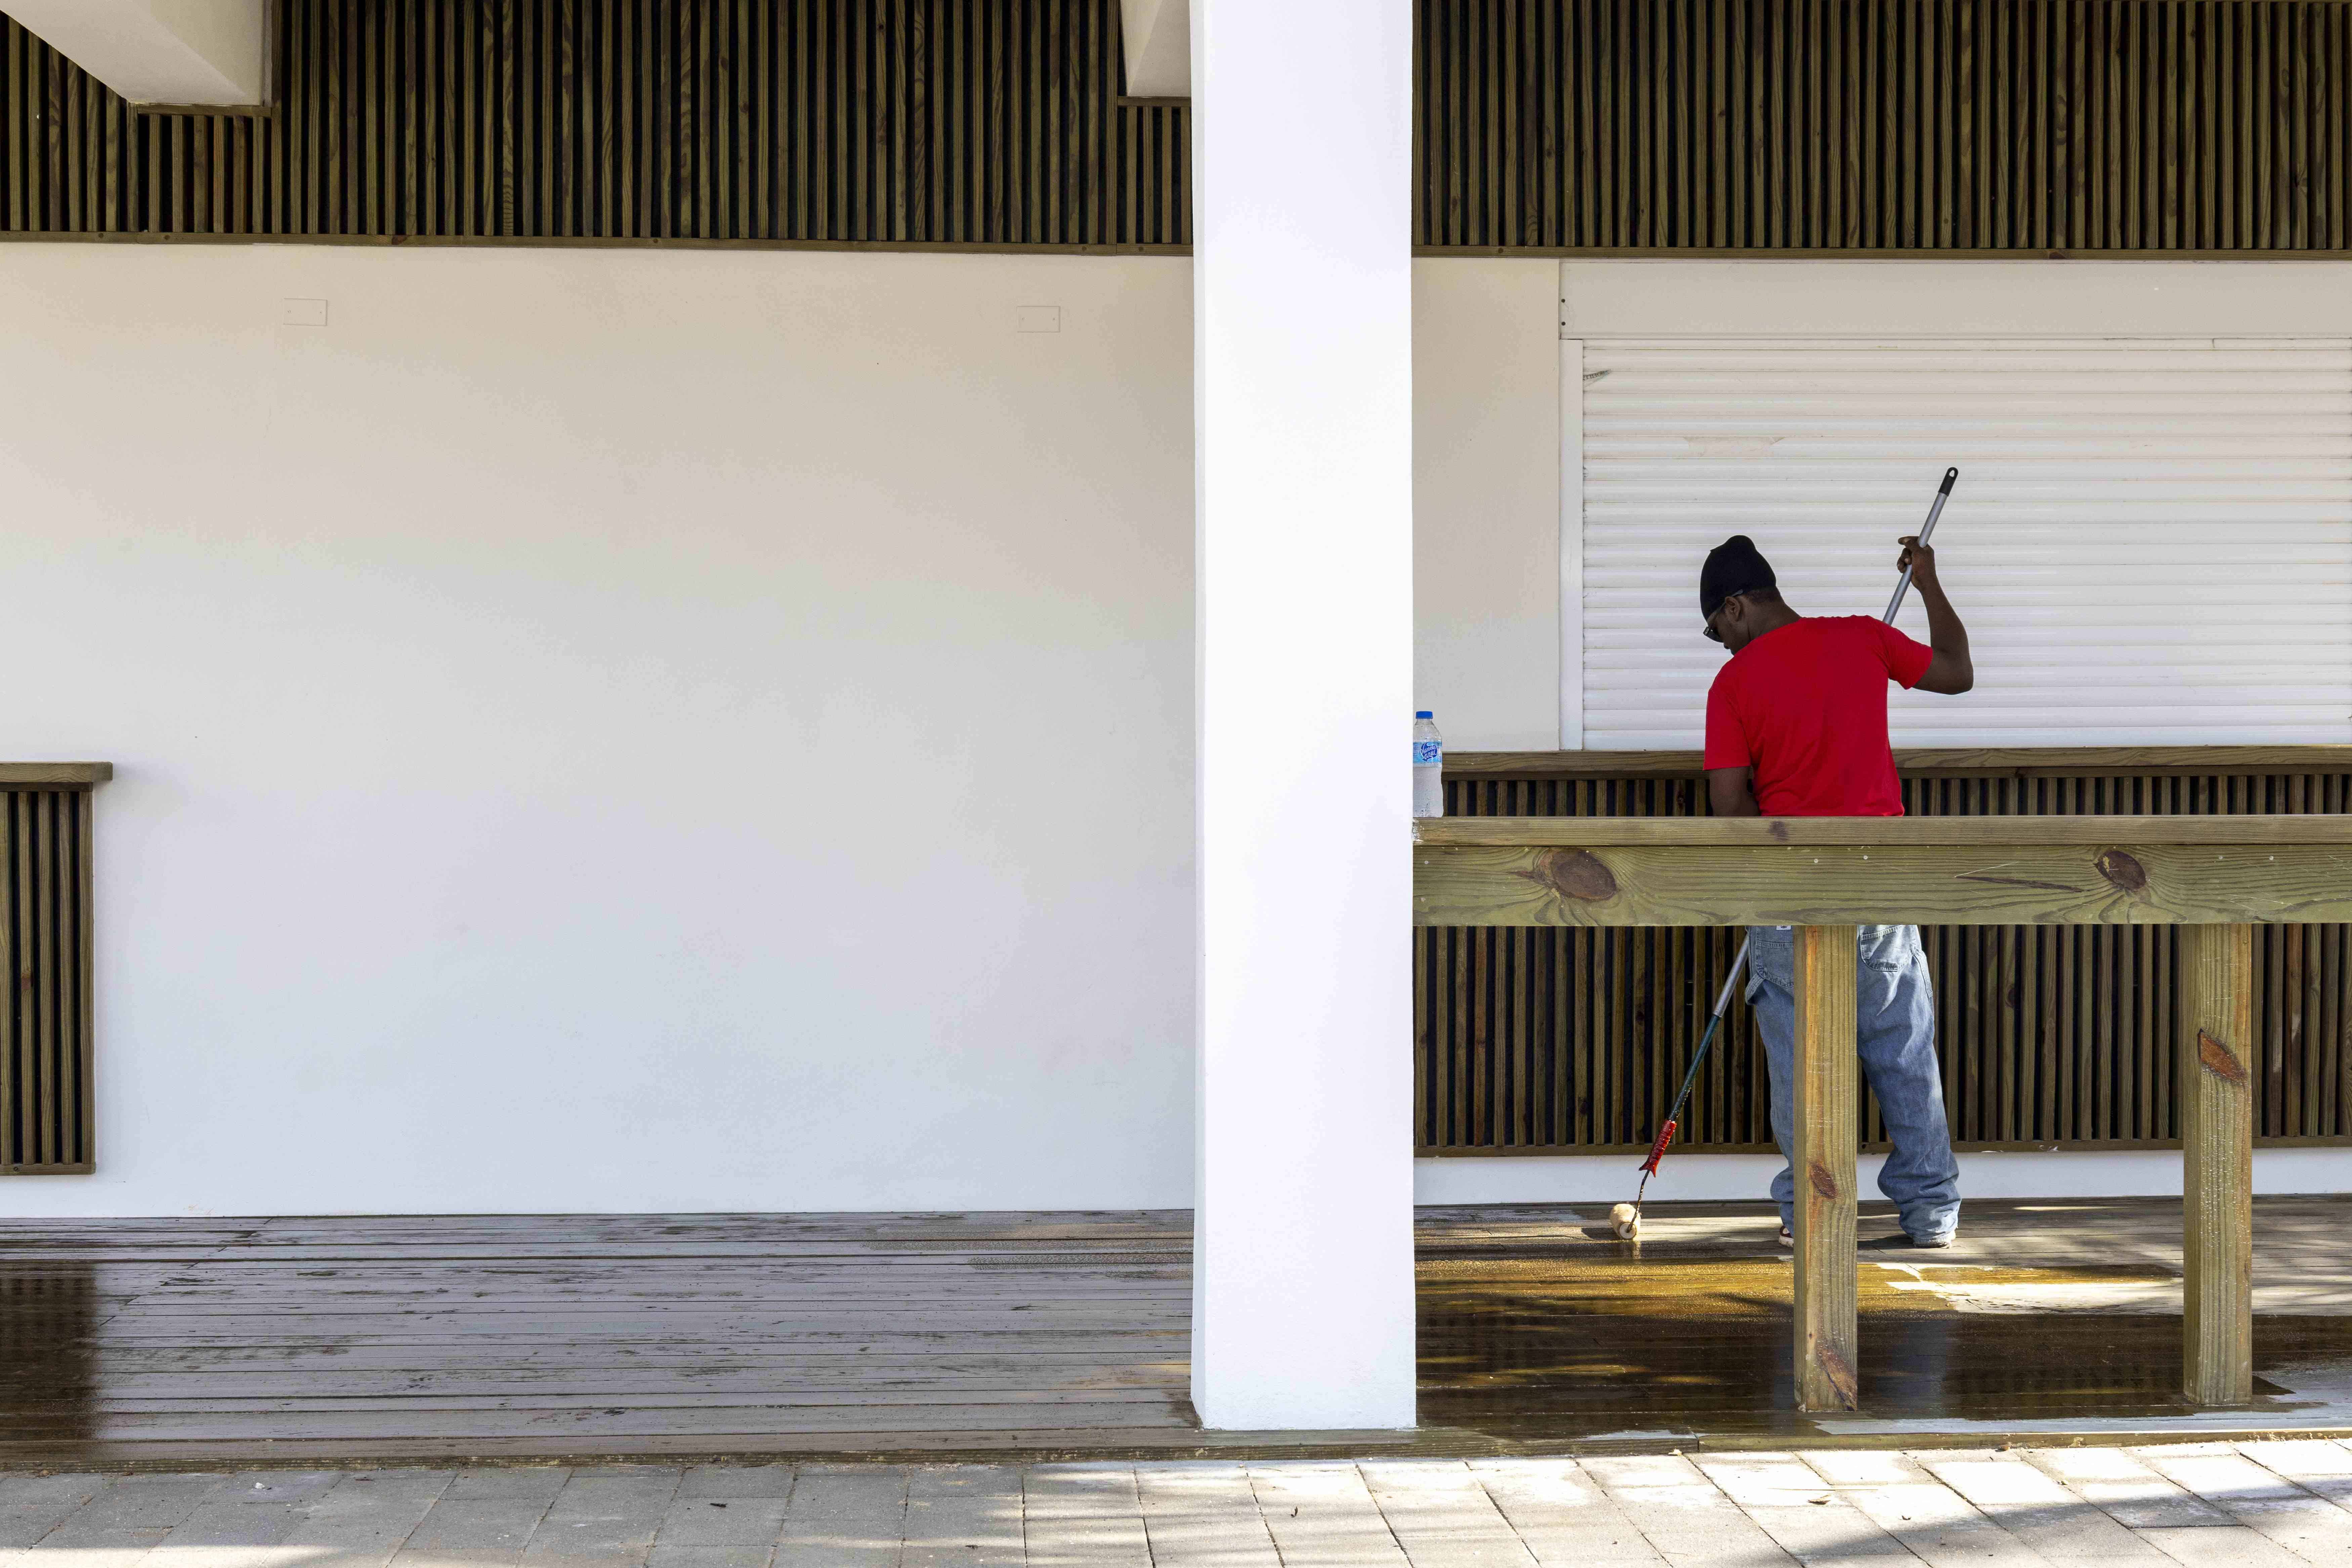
[
  {"x": 2129, "y": 881},
  {"x": 24, "y": 775}
]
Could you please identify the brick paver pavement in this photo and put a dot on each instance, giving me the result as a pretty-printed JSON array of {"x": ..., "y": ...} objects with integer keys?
[{"x": 2244, "y": 1505}]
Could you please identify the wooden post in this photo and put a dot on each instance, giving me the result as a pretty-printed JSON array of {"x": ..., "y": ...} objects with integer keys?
[
  {"x": 1825, "y": 1156},
  {"x": 2217, "y": 1139}
]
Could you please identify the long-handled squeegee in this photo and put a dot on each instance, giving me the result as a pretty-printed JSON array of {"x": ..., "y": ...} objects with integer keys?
[{"x": 1625, "y": 1219}]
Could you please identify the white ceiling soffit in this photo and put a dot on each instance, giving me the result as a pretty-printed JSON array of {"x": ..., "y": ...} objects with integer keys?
[
  {"x": 1159, "y": 34},
  {"x": 157, "y": 51}
]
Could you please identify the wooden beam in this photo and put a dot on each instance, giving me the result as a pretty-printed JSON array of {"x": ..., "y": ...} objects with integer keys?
[
  {"x": 1823, "y": 1155},
  {"x": 17, "y": 775},
  {"x": 2021, "y": 761},
  {"x": 1880, "y": 832},
  {"x": 2133, "y": 883},
  {"x": 2217, "y": 1128}
]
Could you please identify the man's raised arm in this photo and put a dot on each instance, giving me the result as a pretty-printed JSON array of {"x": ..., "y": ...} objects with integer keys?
[{"x": 1952, "y": 672}]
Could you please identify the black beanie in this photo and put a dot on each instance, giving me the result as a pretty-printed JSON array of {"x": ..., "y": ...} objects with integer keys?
[{"x": 1734, "y": 566}]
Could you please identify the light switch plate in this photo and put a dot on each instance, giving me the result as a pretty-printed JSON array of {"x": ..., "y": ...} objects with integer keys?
[
  {"x": 303, "y": 313},
  {"x": 1037, "y": 319}
]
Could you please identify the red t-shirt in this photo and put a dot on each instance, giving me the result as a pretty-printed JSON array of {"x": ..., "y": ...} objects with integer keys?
[{"x": 1805, "y": 707}]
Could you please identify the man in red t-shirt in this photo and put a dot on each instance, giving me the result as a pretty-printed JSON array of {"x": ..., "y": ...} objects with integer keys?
[{"x": 1795, "y": 726}]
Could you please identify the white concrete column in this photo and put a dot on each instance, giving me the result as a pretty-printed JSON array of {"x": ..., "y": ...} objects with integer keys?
[{"x": 1303, "y": 1310}]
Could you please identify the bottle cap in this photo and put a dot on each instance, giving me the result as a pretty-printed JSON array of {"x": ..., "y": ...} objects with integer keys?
[{"x": 1425, "y": 713}]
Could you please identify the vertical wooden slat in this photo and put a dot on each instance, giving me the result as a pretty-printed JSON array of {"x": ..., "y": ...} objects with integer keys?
[
  {"x": 36, "y": 979},
  {"x": 86, "y": 984},
  {"x": 2338, "y": 104},
  {"x": 1474, "y": 1058},
  {"x": 2129, "y": 53},
  {"x": 16, "y": 126},
  {"x": 2275, "y": 1100},
  {"x": 1685, "y": 109},
  {"x": 2163, "y": 163},
  {"x": 23, "y": 961},
  {"x": 1425, "y": 1133},
  {"x": 70, "y": 1051},
  {"x": 690, "y": 124},
  {"x": 1584, "y": 995},
  {"x": 1547, "y": 211},
  {"x": 2147, "y": 1047},
  {"x": 2273, "y": 147},
  {"x": 12, "y": 1080}
]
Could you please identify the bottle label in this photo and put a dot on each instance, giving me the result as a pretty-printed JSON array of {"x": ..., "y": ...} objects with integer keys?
[{"x": 1426, "y": 754}]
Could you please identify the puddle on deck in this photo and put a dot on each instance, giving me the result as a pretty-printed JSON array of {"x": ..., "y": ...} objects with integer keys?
[{"x": 1588, "y": 1341}]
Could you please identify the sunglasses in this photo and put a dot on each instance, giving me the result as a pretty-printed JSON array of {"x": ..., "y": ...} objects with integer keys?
[{"x": 1712, "y": 634}]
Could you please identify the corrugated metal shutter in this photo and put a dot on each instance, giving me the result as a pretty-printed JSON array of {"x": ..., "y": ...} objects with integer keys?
[{"x": 2151, "y": 541}]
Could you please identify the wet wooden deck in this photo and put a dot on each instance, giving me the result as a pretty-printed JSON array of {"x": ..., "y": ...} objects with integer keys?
[{"x": 351, "y": 1340}]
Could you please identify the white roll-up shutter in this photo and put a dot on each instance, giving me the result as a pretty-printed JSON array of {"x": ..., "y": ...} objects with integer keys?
[{"x": 2151, "y": 542}]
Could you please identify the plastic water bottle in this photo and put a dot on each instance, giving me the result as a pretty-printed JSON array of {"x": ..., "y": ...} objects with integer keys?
[{"x": 1428, "y": 767}]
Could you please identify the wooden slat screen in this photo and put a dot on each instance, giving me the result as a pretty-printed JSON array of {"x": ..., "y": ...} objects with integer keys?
[
  {"x": 1554, "y": 1041},
  {"x": 2025, "y": 126},
  {"x": 45, "y": 1122},
  {"x": 951, "y": 122},
  {"x": 2021, "y": 127}
]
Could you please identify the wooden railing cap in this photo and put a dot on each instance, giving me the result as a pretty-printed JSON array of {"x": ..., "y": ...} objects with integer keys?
[
  {"x": 20, "y": 775},
  {"x": 1870, "y": 832}
]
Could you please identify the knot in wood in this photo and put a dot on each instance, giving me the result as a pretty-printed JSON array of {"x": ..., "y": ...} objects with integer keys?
[
  {"x": 1823, "y": 1183},
  {"x": 2122, "y": 871},
  {"x": 2218, "y": 1059},
  {"x": 1575, "y": 874}
]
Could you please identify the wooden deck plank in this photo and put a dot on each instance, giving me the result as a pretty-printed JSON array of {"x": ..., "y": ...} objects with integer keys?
[
  {"x": 618, "y": 1337},
  {"x": 459, "y": 1426}
]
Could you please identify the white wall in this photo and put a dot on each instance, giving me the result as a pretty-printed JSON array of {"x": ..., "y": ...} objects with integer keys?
[
  {"x": 613, "y": 730},
  {"x": 1485, "y": 492},
  {"x": 1700, "y": 299}
]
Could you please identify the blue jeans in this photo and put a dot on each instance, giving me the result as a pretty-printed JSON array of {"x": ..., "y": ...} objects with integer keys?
[{"x": 1896, "y": 1038}]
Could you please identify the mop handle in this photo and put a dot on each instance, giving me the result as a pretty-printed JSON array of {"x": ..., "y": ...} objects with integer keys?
[
  {"x": 1935, "y": 510},
  {"x": 1713, "y": 1022}
]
